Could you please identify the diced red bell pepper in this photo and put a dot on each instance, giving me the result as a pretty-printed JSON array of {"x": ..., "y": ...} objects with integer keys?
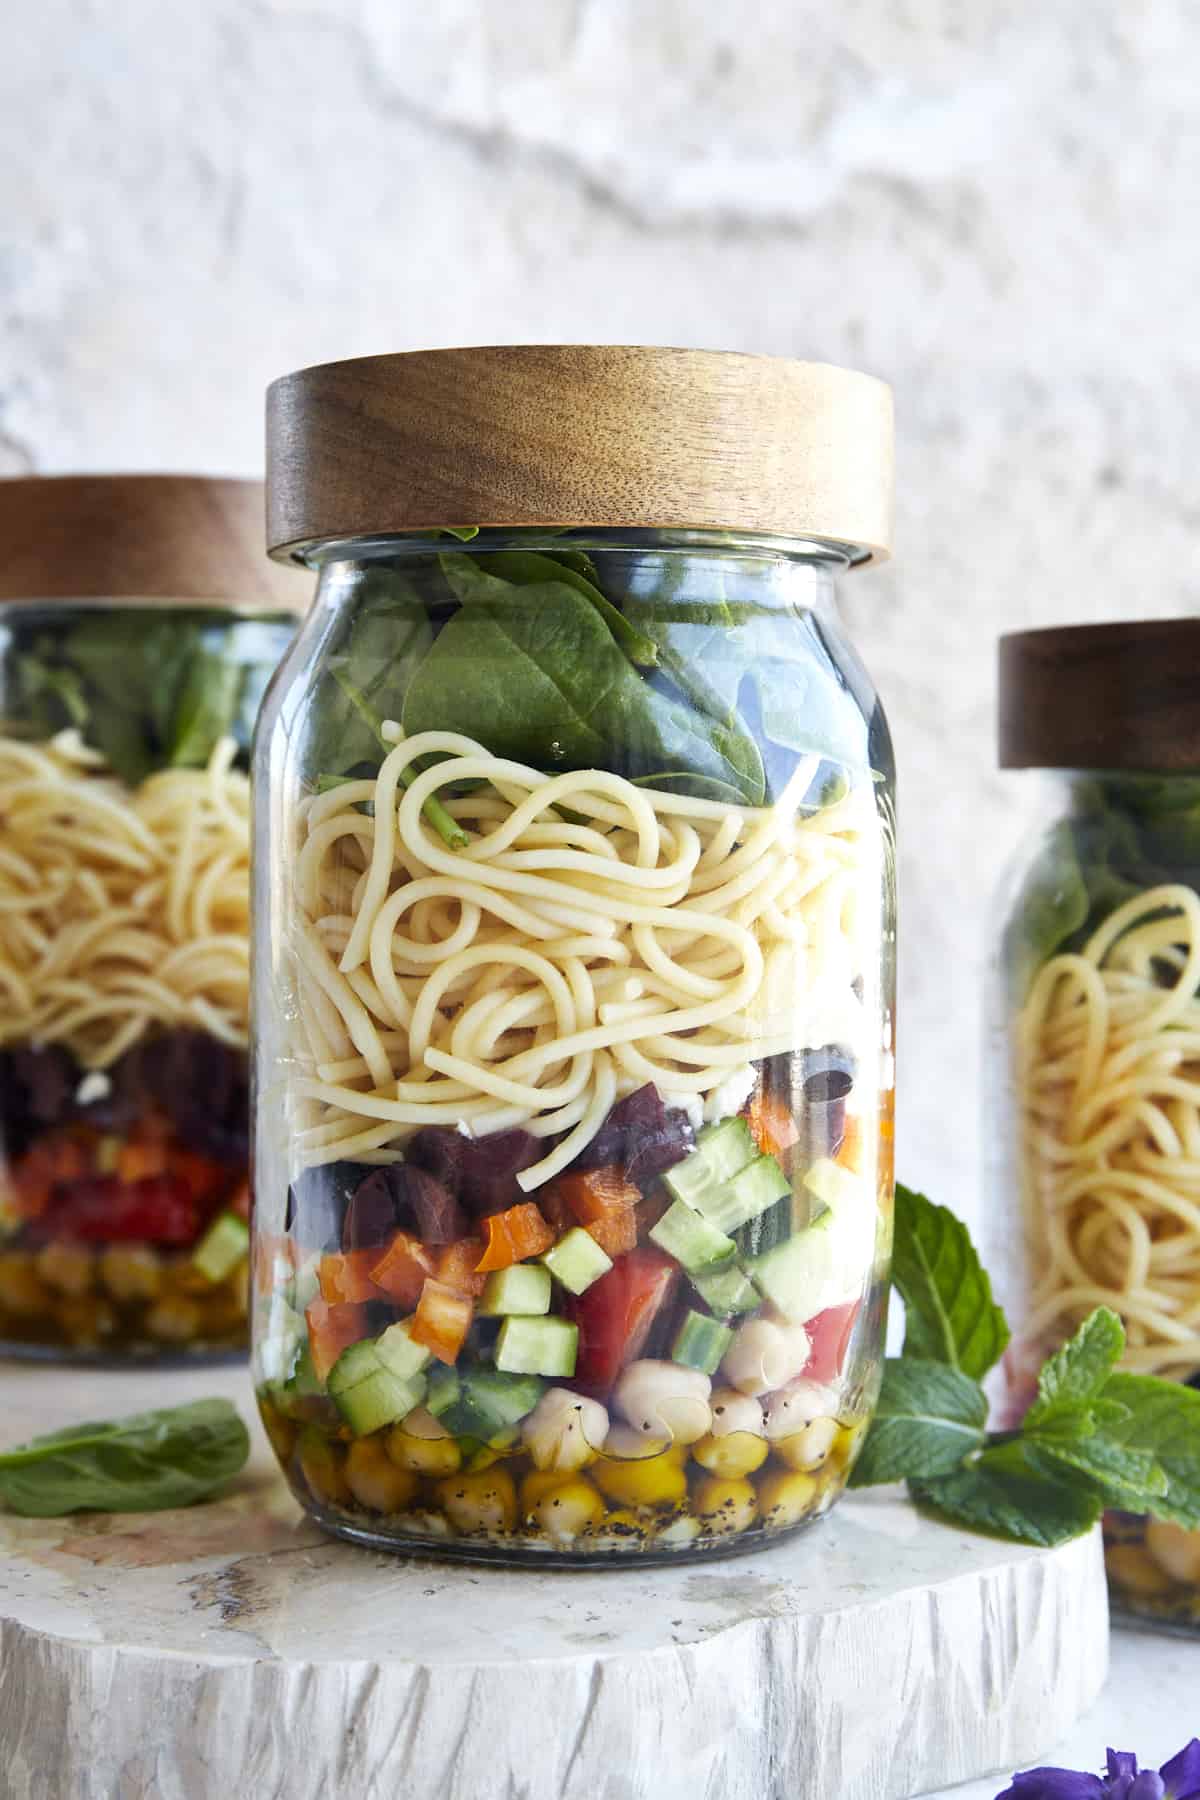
[
  {"x": 345, "y": 1277},
  {"x": 457, "y": 1267},
  {"x": 852, "y": 1151},
  {"x": 616, "y": 1314},
  {"x": 441, "y": 1321},
  {"x": 772, "y": 1123},
  {"x": 829, "y": 1334},
  {"x": 402, "y": 1270},
  {"x": 270, "y": 1249},
  {"x": 332, "y": 1329},
  {"x": 58, "y": 1157},
  {"x": 102, "y": 1210},
  {"x": 514, "y": 1236},
  {"x": 596, "y": 1193}
]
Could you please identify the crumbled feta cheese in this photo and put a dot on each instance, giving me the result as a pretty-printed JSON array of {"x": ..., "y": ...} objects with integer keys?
[
  {"x": 94, "y": 1086},
  {"x": 732, "y": 1094},
  {"x": 691, "y": 1104}
]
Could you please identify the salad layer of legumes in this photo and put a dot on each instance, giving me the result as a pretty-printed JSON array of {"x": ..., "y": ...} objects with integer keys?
[
  {"x": 124, "y": 974},
  {"x": 584, "y": 1113}
]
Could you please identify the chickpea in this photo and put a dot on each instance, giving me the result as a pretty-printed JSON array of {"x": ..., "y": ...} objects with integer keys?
[
  {"x": 86, "y": 1319},
  {"x": 533, "y": 1486},
  {"x": 22, "y": 1291},
  {"x": 810, "y": 1449},
  {"x": 654, "y": 1481},
  {"x": 663, "y": 1399},
  {"x": 131, "y": 1273},
  {"x": 734, "y": 1412},
  {"x": 1176, "y": 1550},
  {"x": 1131, "y": 1568},
  {"x": 725, "y": 1507},
  {"x": 797, "y": 1405},
  {"x": 737, "y": 1453},
  {"x": 622, "y": 1529},
  {"x": 784, "y": 1498},
  {"x": 486, "y": 1501},
  {"x": 765, "y": 1354},
  {"x": 568, "y": 1509},
  {"x": 565, "y": 1431},
  {"x": 375, "y": 1480},
  {"x": 323, "y": 1468},
  {"x": 680, "y": 1532},
  {"x": 421, "y": 1444},
  {"x": 175, "y": 1319},
  {"x": 70, "y": 1268},
  {"x": 280, "y": 1430}
]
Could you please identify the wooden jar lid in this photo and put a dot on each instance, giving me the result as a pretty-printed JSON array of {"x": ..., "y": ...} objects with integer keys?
[
  {"x": 1121, "y": 696},
  {"x": 581, "y": 435},
  {"x": 139, "y": 537}
]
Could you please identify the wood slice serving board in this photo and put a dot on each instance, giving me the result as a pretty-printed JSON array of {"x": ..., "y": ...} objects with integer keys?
[{"x": 231, "y": 1651}]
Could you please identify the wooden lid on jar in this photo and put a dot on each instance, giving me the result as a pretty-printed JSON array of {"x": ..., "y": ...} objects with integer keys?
[
  {"x": 189, "y": 538},
  {"x": 579, "y": 435},
  {"x": 1121, "y": 696}
]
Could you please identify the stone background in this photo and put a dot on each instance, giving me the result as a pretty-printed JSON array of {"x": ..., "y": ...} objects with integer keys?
[{"x": 992, "y": 204}]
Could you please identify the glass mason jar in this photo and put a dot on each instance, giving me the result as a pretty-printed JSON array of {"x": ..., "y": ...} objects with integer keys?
[
  {"x": 1100, "y": 966},
  {"x": 573, "y": 961},
  {"x": 137, "y": 635}
]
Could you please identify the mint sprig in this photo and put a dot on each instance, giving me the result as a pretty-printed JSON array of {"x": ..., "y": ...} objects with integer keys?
[{"x": 1093, "y": 1438}]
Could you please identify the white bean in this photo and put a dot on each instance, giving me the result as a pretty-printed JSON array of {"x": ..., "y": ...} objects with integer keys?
[
  {"x": 565, "y": 1430},
  {"x": 764, "y": 1355},
  {"x": 797, "y": 1405},
  {"x": 663, "y": 1399},
  {"x": 732, "y": 1412}
]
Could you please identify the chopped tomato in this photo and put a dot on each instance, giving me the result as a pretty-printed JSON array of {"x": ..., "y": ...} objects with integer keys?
[
  {"x": 830, "y": 1333},
  {"x": 596, "y": 1193},
  {"x": 345, "y": 1277},
  {"x": 138, "y": 1158},
  {"x": 207, "y": 1179},
  {"x": 772, "y": 1124},
  {"x": 442, "y": 1320},
  {"x": 102, "y": 1210},
  {"x": 616, "y": 1233},
  {"x": 241, "y": 1201},
  {"x": 270, "y": 1249},
  {"x": 457, "y": 1267},
  {"x": 616, "y": 1314},
  {"x": 332, "y": 1329},
  {"x": 401, "y": 1270},
  {"x": 514, "y": 1236},
  {"x": 58, "y": 1157}
]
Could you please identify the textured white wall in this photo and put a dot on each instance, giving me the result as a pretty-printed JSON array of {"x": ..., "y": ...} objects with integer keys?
[{"x": 992, "y": 204}]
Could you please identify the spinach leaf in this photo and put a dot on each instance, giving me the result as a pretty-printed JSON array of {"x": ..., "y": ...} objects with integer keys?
[
  {"x": 206, "y": 709},
  {"x": 368, "y": 674},
  {"x": 527, "y": 568},
  {"x": 1054, "y": 904},
  {"x": 535, "y": 673},
  {"x": 142, "y": 1463}
]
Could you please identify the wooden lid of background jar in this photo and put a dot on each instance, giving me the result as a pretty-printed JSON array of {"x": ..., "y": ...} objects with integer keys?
[
  {"x": 1123, "y": 697},
  {"x": 188, "y": 538},
  {"x": 579, "y": 435}
]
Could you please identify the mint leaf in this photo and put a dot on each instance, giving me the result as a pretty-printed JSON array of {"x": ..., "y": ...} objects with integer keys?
[
  {"x": 1131, "y": 1479},
  {"x": 928, "y": 1419},
  {"x": 1164, "y": 1418},
  {"x": 1001, "y": 1494},
  {"x": 950, "y": 1315},
  {"x": 1078, "y": 1373}
]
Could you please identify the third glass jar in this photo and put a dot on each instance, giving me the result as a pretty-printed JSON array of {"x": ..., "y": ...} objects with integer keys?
[
  {"x": 1101, "y": 965},
  {"x": 575, "y": 951}
]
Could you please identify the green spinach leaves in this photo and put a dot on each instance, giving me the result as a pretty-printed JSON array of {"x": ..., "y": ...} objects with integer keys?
[{"x": 142, "y": 1463}]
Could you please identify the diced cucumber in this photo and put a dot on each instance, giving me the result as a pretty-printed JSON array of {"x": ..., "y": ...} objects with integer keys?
[
  {"x": 280, "y": 1347},
  {"x": 304, "y": 1384},
  {"x": 700, "y": 1343},
  {"x": 442, "y": 1391},
  {"x": 537, "y": 1347},
  {"x": 721, "y": 1150},
  {"x": 687, "y": 1236},
  {"x": 826, "y": 1264},
  {"x": 577, "y": 1260},
  {"x": 523, "y": 1288},
  {"x": 727, "y": 1292},
  {"x": 833, "y": 1185},
  {"x": 356, "y": 1363},
  {"x": 726, "y": 1147},
  {"x": 490, "y": 1402},
  {"x": 399, "y": 1354},
  {"x": 303, "y": 1286},
  {"x": 380, "y": 1400},
  {"x": 222, "y": 1247},
  {"x": 772, "y": 1227},
  {"x": 750, "y": 1192}
]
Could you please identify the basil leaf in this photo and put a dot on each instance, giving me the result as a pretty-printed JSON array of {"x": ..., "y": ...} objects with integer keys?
[
  {"x": 1079, "y": 1371},
  {"x": 142, "y": 1463},
  {"x": 999, "y": 1493},
  {"x": 929, "y": 1418},
  {"x": 1162, "y": 1417},
  {"x": 950, "y": 1315}
]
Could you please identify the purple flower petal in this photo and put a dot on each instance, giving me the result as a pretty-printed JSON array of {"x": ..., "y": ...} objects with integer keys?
[
  {"x": 1054, "y": 1784},
  {"x": 1149, "y": 1785},
  {"x": 1182, "y": 1773},
  {"x": 1122, "y": 1772}
]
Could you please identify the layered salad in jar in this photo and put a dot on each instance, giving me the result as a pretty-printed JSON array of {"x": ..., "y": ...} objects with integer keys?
[
  {"x": 574, "y": 1170},
  {"x": 124, "y": 953}
]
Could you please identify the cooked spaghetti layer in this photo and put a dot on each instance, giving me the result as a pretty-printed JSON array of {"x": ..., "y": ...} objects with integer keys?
[
  {"x": 588, "y": 936},
  {"x": 121, "y": 910},
  {"x": 1108, "y": 1047}
]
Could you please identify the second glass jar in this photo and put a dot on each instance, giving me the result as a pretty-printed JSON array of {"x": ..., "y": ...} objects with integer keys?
[{"x": 574, "y": 987}]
